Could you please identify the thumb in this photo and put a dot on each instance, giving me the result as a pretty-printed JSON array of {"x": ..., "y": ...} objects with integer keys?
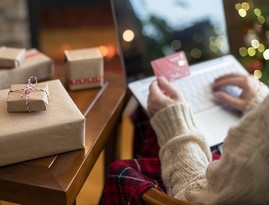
[{"x": 167, "y": 88}]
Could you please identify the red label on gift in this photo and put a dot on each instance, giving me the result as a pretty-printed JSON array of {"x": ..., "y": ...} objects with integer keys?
[{"x": 89, "y": 80}]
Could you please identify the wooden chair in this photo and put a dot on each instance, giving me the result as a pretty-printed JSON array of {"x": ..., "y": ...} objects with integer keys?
[{"x": 155, "y": 197}]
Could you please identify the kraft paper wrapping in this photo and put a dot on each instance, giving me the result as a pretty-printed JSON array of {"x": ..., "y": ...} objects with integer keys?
[
  {"x": 37, "y": 100},
  {"x": 26, "y": 136},
  {"x": 84, "y": 68},
  {"x": 35, "y": 64},
  {"x": 11, "y": 57}
]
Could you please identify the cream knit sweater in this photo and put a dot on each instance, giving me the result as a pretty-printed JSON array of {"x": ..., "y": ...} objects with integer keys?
[{"x": 241, "y": 176}]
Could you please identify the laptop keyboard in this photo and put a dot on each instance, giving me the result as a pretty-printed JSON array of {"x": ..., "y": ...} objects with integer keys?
[{"x": 197, "y": 89}]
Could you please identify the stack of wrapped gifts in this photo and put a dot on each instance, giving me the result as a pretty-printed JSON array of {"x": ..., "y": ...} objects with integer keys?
[
  {"x": 38, "y": 119},
  {"x": 17, "y": 64}
]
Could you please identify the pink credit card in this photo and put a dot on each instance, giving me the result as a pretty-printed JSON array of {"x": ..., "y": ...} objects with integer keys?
[{"x": 171, "y": 67}]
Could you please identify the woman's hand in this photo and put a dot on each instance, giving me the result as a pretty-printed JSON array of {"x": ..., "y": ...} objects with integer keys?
[
  {"x": 161, "y": 95},
  {"x": 248, "y": 83}
]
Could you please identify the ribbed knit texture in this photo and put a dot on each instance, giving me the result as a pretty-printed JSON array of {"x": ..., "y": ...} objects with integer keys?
[
  {"x": 175, "y": 126},
  {"x": 260, "y": 95}
]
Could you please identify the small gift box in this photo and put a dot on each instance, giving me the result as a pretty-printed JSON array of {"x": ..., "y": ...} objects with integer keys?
[
  {"x": 26, "y": 136},
  {"x": 84, "y": 68},
  {"x": 28, "y": 98},
  {"x": 35, "y": 64},
  {"x": 11, "y": 57}
]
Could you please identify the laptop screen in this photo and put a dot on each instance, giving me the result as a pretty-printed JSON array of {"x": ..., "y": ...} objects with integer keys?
[{"x": 150, "y": 29}]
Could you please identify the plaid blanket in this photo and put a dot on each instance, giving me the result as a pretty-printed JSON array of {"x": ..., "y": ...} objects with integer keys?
[{"x": 129, "y": 179}]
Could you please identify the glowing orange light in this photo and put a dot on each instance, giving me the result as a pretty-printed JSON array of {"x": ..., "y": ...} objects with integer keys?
[
  {"x": 65, "y": 46},
  {"x": 108, "y": 51},
  {"x": 103, "y": 50}
]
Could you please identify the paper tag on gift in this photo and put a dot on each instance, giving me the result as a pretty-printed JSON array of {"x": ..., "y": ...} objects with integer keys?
[{"x": 171, "y": 67}]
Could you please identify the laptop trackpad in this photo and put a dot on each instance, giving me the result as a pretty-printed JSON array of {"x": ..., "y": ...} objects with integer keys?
[{"x": 216, "y": 122}]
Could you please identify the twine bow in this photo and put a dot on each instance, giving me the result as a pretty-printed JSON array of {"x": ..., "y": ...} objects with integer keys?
[{"x": 32, "y": 81}]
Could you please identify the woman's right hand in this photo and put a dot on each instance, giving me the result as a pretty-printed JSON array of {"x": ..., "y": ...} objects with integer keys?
[
  {"x": 248, "y": 83},
  {"x": 161, "y": 95}
]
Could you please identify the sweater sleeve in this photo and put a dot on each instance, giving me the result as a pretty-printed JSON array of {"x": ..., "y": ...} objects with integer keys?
[
  {"x": 238, "y": 177},
  {"x": 189, "y": 175},
  {"x": 184, "y": 153},
  {"x": 258, "y": 98}
]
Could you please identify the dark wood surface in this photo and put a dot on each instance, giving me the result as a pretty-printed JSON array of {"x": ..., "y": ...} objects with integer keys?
[{"x": 57, "y": 180}]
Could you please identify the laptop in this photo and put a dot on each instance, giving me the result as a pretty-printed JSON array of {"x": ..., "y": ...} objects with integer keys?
[{"x": 151, "y": 29}]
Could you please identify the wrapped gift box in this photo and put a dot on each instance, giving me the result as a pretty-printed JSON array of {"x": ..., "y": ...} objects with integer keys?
[
  {"x": 19, "y": 100},
  {"x": 35, "y": 64},
  {"x": 11, "y": 57},
  {"x": 84, "y": 68},
  {"x": 32, "y": 135}
]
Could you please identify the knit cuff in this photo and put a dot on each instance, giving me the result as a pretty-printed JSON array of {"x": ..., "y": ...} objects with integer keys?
[
  {"x": 257, "y": 99},
  {"x": 174, "y": 120}
]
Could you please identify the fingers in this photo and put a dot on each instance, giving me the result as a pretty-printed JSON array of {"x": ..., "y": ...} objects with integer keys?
[
  {"x": 155, "y": 99},
  {"x": 230, "y": 79},
  {"x": 167, "y": 88},
  {"x": 155, "y": 89},
  {"x": 161, "y": 95},
  {"x": 230, "y": 100},
  {"x": 248, "y": 83},
  {"x": 230, "y": 75}
]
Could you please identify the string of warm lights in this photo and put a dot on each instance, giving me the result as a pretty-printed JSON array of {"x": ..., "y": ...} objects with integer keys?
[{"x": 256, "y": 39}]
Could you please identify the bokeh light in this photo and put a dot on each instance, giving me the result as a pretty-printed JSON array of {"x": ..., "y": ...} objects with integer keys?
[
  {"x": 128, "y": 35},
  {"x": 266, "y": 54},
  {"x": 251, "y": 51},
  {"x": 243, "y": 51},
  {"x": 257, "y": 74}
]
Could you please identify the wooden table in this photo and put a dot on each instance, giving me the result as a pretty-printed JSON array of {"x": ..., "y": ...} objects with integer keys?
[{"x": 57, "y": 180}]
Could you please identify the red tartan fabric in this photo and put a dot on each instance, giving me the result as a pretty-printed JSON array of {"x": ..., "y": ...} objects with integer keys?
[
  {"x": 129, "y": 179},
  {"x": 145, "y": 142}
]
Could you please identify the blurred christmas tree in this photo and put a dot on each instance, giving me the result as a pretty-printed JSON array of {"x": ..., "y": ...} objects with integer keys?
[{"x": 254, "y": 54}]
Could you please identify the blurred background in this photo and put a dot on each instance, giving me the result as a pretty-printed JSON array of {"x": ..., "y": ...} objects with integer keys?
[{"x": 53, "y": 26}]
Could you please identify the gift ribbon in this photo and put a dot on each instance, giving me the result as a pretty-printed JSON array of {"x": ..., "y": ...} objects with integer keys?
[
  {"x": 89, "y": 80},
  {"x": 31, "y": 54},
  {"x": 25, "y": 93},
  {"x": 27, "y": 90}
]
